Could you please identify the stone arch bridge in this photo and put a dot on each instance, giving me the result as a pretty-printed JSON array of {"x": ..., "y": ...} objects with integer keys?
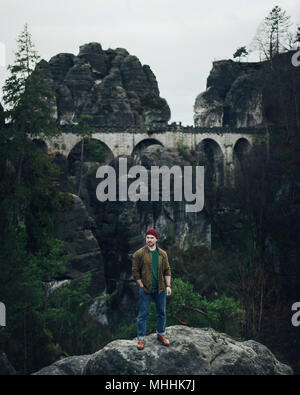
[{"x": 224, "y": 144}]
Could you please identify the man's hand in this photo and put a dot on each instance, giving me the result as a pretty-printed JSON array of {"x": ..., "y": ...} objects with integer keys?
[
  {"x": 140, "y": 284},
  {"x": 168, "y": 283}
]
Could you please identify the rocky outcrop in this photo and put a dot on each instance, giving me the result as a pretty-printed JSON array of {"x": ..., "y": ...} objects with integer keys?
[
  {"x": 193, "y": 351},
  {"x": 233, "y": 96},
  {"x": 66, "y": 366},
  {"x": 110, "y": 85}
]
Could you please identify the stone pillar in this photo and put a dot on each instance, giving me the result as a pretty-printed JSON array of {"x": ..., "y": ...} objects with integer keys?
[{"x": 228, "y": 162}]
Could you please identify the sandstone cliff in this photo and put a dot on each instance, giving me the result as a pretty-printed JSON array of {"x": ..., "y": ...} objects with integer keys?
[
  {"x": 250, "y": 94},
  {"x": 233, "y": 96},
  {"x": 110, "y": 85}
]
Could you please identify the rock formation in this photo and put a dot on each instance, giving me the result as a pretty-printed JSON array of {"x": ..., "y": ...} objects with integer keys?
[
  {"x": 110, "y": 85},
  {"x": 193, "y": 351},
  {"x": 233, "y": 96}
]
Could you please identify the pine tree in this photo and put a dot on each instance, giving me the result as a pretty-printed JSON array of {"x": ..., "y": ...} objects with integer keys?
[
  {"x": 25, "y": 61},
  {"x": 84, "y": 130},
  {"x": 240, "y": 52},
  {"x": 273, "y": 33},
  {"x": 28, "y": 113}
]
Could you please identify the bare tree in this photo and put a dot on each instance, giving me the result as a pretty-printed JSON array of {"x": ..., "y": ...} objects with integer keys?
[
  {"x": 297, "y": 37},
  {"x": 273, "y": 35}
]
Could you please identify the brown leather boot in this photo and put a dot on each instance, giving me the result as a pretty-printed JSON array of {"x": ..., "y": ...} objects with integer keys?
[
  {"x": 141, "y": 344},
  {"x": 163, "y": 340}
]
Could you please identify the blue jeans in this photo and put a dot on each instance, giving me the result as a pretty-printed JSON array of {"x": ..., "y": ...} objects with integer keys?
[{"x": 144, "y": 305}]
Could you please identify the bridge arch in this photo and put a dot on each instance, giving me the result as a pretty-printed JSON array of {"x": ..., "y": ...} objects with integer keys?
[
  {"x": 145, "y": 143},
  {"x": 241, "y": 150},
  {"x": 94, "y": 150},
  {"x": 212, "y": 157}
]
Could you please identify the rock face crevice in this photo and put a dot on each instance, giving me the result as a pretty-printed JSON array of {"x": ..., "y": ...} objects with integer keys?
[{"x": 193, "y": 351}]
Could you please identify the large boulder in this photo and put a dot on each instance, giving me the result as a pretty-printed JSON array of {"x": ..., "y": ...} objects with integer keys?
[
  {"x": 193, "y": 351},
  {"x": 66, "y": 366}
]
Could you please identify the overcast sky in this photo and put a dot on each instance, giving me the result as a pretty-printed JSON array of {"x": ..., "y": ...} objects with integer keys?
[{"x": 178, "y": 39}]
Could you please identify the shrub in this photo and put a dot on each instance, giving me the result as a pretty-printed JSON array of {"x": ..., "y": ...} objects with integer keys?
[{"x": 187, "y": 307}]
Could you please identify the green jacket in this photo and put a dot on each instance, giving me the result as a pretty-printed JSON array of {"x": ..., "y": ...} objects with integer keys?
[{"x": 142, "y": 268}]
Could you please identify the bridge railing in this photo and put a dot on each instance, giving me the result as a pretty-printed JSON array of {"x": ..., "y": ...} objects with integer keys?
[{"x": 163, "y": 128}]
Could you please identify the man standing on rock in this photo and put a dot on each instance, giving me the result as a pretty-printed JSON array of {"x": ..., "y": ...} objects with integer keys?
[{"x": 151, "y": 270}]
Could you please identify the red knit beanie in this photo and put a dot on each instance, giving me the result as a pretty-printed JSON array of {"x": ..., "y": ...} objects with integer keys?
[{"x": 152, "y": 232}]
